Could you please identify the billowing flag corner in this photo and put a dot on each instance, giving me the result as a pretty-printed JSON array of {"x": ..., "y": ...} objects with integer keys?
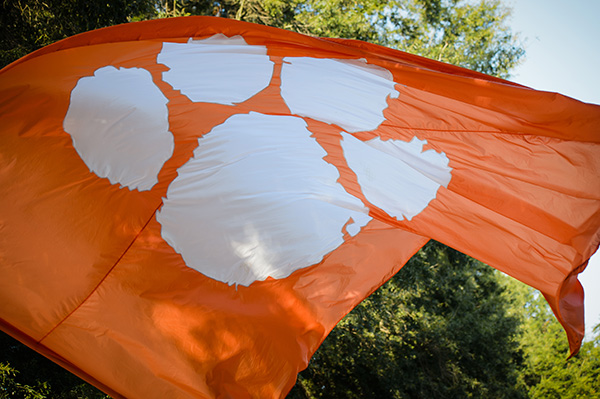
[{"x": 188, "y": 206}]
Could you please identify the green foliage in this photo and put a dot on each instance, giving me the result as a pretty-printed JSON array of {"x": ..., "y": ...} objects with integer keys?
[
  {"x": 439, "y": 329},
  {"x": 25, "y": 374},
  {"x": 11, "y": 389},
  {"x": 27, "y": 25},
  {"x": 468, "y": 34},
  {"x": 578, "y": 377},
  {"x": 548, "y": 373},
  {"x": 464, "y": 33}
]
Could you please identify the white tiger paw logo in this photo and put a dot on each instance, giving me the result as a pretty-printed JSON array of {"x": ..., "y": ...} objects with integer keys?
[{"x": 257, "y": 199}]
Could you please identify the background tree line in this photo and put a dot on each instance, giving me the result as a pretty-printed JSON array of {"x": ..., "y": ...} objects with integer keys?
[{"x": 446, "y": 326}]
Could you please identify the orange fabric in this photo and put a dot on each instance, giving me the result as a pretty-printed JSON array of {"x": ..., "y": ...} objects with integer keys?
[{"x": 86, "y": 279}]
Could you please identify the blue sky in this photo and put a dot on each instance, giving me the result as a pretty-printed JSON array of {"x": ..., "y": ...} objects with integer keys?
[{"x": 562, "y": 43}]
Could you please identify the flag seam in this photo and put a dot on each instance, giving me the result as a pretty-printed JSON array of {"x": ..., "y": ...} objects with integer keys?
[{"x": 103, "y": 278}]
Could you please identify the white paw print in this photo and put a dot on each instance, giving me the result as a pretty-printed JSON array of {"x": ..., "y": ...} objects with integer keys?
[{"x": 257, "y": 199}]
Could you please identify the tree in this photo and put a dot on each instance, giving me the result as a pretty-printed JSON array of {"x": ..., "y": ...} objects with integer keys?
[
  {"x": 548, "y": 373},
  {"x": 553, "y": 376},
  {"x": 27, "y": 25},
  {"x": 472, "y": 35},
  {"x": 12, "y": 389},
  {"x": 464, "y": 33},
  {"x": 25, "y": 374}
]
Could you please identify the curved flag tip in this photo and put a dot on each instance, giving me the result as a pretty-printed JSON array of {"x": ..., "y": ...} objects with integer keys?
[{"x": 570, "y": 310}]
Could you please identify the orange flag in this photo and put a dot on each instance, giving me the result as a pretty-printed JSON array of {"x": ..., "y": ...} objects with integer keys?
[{"x": 189, "y": 206}]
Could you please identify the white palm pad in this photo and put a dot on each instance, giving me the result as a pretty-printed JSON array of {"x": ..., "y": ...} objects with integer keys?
[
  {"x": 118, "y": 120},
  {"x": 349, "y": 93},
  {"x": 218, "y": 69},
  {"x": 257, "y": 200}
]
